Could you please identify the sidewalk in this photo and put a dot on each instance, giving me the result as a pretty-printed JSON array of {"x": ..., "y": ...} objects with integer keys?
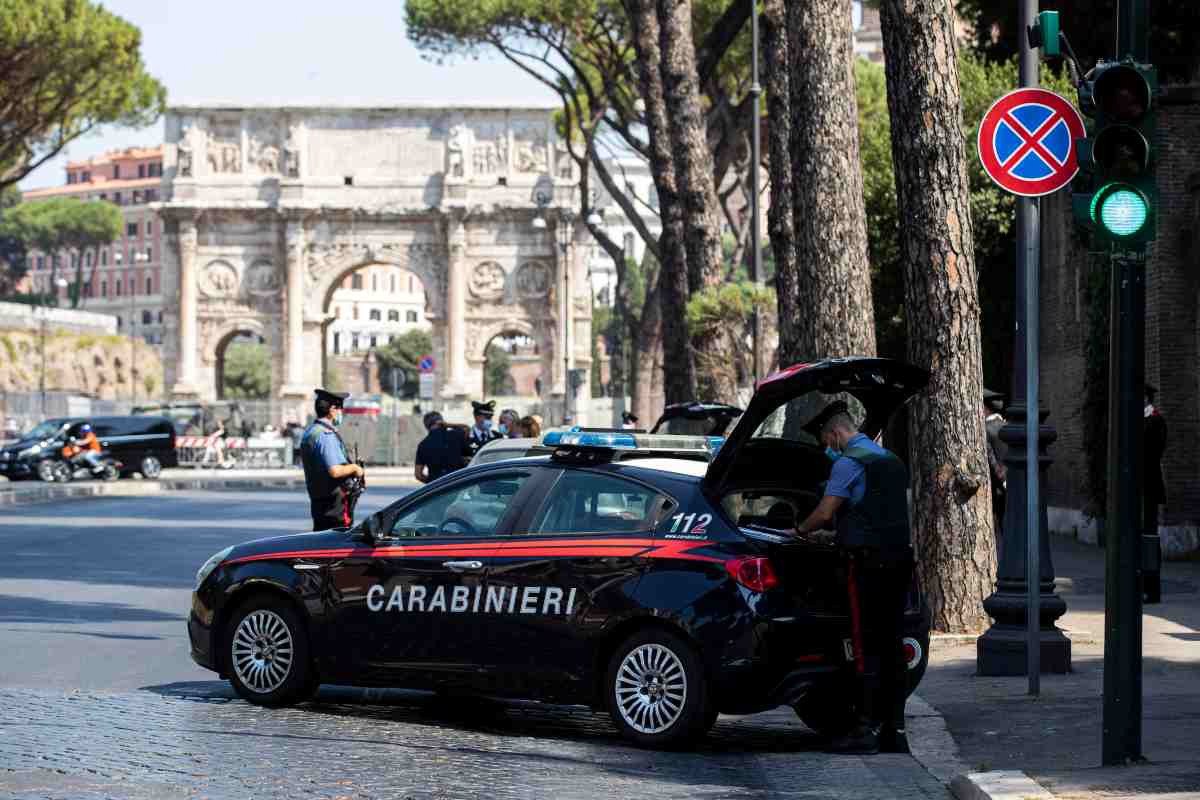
[{"x": 1056, "y": 738}]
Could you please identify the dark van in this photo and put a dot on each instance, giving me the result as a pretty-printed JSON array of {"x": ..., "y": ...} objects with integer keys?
[{"x": 141, "y": 443}]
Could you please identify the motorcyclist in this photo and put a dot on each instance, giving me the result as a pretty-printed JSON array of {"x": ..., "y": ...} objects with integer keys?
[{"x": 86, "y": 446}]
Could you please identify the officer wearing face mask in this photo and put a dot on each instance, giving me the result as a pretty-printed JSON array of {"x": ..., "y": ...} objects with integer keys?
[
  {"x": 327, "y": 465},
  {"x": 482, "y": 432},
  {"x": 866, "y": 503}
]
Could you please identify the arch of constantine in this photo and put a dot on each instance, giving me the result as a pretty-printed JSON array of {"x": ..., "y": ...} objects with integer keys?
[{"x": 266, "y": 210}]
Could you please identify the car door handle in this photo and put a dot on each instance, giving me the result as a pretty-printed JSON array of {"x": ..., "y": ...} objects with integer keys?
[{"x": 463, "y": 566}]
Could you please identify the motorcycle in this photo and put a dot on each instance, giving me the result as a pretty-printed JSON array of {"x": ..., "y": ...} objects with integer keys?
[{"x": 75, "y": 468}]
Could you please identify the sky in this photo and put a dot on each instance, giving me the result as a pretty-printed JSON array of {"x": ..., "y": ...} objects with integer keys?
[{"x": 292, "y": 52}]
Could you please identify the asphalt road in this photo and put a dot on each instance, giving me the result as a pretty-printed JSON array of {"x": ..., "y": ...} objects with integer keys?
[{"x": 98, "y": 697}]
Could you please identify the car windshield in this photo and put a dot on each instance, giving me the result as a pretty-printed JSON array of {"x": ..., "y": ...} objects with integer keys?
[
  {"x": 45, "y": 430},
  {"x": 787, "y": 421}
]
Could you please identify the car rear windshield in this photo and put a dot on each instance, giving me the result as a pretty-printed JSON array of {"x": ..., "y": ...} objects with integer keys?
[{"x": 787, "y": 421}]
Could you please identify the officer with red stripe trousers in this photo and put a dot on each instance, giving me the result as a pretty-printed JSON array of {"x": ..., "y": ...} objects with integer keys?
[
  {"x": 329, "y": 475},
  {"x": 866, "y": 502}
]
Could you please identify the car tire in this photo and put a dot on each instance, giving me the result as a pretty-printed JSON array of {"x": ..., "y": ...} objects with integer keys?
[
  {"x": 827, "y": 709},
  {"x": 263, "y": 633},
  {"x": 45, "y": 470},
  {"x": 150, "y": 468},
  {"x": 656, "y": 690}
]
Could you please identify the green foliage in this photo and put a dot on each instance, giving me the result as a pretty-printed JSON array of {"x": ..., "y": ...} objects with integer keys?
[
  {"x": 69, "y": 66},
  {"x": 150, "y": 385},
  {"x": 497, "y": 378},
  {"x": 9, "y": 347},
  {"x": 85, "y": 342},
  {"x": 247, "y": 371},
  {"x": 981, "y": 83},
  {"x": 727, "y": 307},
  {"x": 403, "y": 352}
]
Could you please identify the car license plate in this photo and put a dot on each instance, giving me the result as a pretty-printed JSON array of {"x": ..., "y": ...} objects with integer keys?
[{"x": 848, "y": 648}]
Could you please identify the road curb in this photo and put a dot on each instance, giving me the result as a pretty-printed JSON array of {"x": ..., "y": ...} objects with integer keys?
[
  {"x": 930, "y": 741},
  {"x": 998, "y": 785},
  {"x": 50, "y": 492}
]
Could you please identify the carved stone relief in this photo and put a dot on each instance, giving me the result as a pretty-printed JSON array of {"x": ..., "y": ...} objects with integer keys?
[
  {"x": 291, "y": 155},
  {"x": 533, "y": 280},
  {"x": 458, "y": 151},
  {"x": 531, "y": 157},
  {"x": 224, "y": 157},
  {"x": 264, "y": 157},
  {"x": 261, "y": 279},
  {"x": 487, "y": 281},
  {"x": 219, "y": 279},
  {"x": 190, "y": 138}
]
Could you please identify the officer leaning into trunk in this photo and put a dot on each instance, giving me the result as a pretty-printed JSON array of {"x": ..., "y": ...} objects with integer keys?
[{"x": 866, "y": 503}]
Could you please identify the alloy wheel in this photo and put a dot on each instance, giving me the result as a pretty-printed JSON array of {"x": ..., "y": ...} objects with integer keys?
[
  {"x": 651, "y": 688},
  {"x": 262, "y": 651}
]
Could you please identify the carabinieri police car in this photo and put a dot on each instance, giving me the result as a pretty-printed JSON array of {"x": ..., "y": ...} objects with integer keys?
[{"x": 640, "y": 575}]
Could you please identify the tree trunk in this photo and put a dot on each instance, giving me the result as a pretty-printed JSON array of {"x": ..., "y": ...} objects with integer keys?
[
  {"x": 679, "y": 380},
  {"x": 648, "y": 369},
  {"x": 694, "y": 167},
  {"x": 952, "y": 515},
  {"x": 779, "y": 157},
  {"x": 829, "y": 311}
]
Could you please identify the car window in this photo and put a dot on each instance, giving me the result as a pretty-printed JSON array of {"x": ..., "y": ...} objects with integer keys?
[
  {"x": 472, "y": 509},
  {"x": 498, "y": 454},
  {"x": 787, "y": 421},
  {"x": 584, "y": 502}
]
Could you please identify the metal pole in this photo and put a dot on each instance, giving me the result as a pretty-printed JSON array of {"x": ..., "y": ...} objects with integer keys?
[
  {"x": 132, "y": 345},
  {"x": 42, "y": 308},
  {"x": 1028, "y": 253},
  {"x": 756, "y": 161},
  {"x": 1122, "y": 727},
  {"x": 395, "y": 417}
]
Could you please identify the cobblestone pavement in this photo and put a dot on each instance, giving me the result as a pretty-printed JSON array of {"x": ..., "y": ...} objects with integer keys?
[{"x": 193, "y": 740}]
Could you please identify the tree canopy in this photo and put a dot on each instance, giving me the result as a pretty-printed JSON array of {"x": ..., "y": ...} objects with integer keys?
[
  {"x": 247, "y": 371},
  {"x": 66, "y": 67}
]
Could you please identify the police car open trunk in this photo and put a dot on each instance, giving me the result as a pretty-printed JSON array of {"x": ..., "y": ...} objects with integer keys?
[{"x": 770, "y": 473}]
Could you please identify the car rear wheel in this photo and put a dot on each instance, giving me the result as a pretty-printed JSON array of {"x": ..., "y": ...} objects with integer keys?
[
  {"x": 45, "y": 470},
  {"x": 656, "y": 690},
  {"x": 828, "y": 710},
  {"x": 267, "y": 648},
  {"x": 151, "y": 468}
]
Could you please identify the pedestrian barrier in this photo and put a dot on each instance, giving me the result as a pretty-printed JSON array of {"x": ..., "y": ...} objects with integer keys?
[{"x": 255, "y": 452}]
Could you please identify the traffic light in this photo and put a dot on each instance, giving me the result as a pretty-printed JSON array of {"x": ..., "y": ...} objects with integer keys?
[{"x": 1119, "y": 153}]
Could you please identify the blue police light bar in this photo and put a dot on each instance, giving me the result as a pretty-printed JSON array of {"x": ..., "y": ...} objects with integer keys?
[{"x": 619, "y": 440}]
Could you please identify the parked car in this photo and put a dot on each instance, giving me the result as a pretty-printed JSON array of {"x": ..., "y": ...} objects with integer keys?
[
  {"x": 143, "y": 444},
  {"x": 697, "y": 419}
]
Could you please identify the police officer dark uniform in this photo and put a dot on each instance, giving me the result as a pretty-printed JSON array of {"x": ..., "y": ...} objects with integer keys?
[
  {"x": 482, "y": 432},
  {"x": 441, "y": 452},
  {"x": 866, "y": 502},
  {"x": 327, "y": 465}
]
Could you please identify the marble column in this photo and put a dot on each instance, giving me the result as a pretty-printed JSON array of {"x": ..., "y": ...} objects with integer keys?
[
  {"x": 454, "y": 382},
  {"x": 185, "y": 382},
  {"x": 294, "y": 340}
]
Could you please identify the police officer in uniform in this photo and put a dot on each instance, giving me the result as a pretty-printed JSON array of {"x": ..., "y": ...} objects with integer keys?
[
  {"x": 866, "y": 503},
  {"x": 441, "y": 452},
  {"x": 482, "y": 432},
  {"x": 327, "y": 466}
]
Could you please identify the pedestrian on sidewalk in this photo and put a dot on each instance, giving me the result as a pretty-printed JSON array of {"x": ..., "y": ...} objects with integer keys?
[
  {"x": 866, "y": 502},
  {"x": 993, "y": 421},
  {"x": 1154, "y": 444}
]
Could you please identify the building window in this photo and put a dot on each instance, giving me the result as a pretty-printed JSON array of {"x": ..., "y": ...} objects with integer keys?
[
  {"x": 74, "y": 260},
  {"x": 117, "y": 198},
  {"x": 131, "y": 229},
  {"x": 393, "y": 284},
  {"x": 116, "y": 171},
  {"x": 70, "y": 177},
  {"x": 410, "y": 285},
  {"x": 141, "y": 170},
  {"x": 41, "y": 262},
  {"x": 117, "y": 288},
  {"x": 151, "y": 195},
  {"x": 356, "y": 281},
  {"x": 354, "y": 343},
  {"x": 149, "y": 228},
  {"x": 104, "y": 288},
  {"x": 149, "y": 286},
  {"x": 120, "y": 322},
  {"x": 87, "y": 176},
  {"x": 393, "y": 316},
  {"x": 137, "y": 196},
  {"x": 355, "y": 314},
  {"x": 147, "y": 318},
  {"x": 374, "y": 283},
  {"x": 375, "y": 315},
  {"x": 160, "y": 318},
  {"x": 104, "y": 258},
  {"x": 410, "y": 316},
  {"x": 337, "y": 342},
  {"x": 149, "y": 253},
  {"x": 87, "y": 258},
  {"x": 132, "y": 286}
]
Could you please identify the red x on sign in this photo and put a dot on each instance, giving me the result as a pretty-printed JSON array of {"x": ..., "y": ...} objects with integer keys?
[{"x": 1027, "y": 142}]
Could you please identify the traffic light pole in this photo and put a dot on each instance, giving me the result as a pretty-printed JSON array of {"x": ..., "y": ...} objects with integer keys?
[{"x": 1122, "y": 737}]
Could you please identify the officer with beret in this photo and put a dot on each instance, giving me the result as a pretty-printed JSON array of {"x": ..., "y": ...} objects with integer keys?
[
  {"x": 327, "y": 466},
  {"x": 866, "y": 502},
  {"x": 482, "y": 432}
]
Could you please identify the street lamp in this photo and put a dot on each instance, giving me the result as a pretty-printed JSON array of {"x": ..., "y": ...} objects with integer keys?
[
  {"x": 565, "y": 232},
  {"x": 59, "y": 283},
  {"x": 542, "y": 198}
]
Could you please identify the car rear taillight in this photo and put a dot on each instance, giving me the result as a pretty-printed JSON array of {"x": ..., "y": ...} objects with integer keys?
[{"x": 755, "y": 573}]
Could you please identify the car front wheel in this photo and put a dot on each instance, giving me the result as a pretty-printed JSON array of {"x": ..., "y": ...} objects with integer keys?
[
  {"x": 267, "y": 648},
  {"x": 151, "y": 468},
  {"x": 656, "y": 690}
]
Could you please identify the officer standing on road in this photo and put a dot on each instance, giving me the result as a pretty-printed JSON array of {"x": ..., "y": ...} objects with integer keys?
[
  {"x": 482, "y": 432},
  {"x": 327, "y": 466},
  {"x": 441, "y": 452},
  {"x": 866, "y": 501}
]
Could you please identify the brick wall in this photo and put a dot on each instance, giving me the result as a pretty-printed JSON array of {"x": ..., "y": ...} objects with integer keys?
[{"x": 1172, "y": 321}]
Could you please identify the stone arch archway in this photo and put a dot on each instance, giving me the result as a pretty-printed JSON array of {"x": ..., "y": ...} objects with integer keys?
[
  {"x": 481, "y": 336},
  {"x": 218, "y": 338}
]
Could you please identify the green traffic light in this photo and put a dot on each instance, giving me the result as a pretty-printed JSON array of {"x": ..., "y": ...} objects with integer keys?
[{"x": 1120, "y": 209}]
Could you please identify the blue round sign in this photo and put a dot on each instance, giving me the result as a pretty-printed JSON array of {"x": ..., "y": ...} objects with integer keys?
[{"x": 426, "y": 364}]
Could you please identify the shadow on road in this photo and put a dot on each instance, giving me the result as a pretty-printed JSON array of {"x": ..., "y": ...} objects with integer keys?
[
  {"x": 509, "y": 718},
  {"x": 14, "y": 608}
]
